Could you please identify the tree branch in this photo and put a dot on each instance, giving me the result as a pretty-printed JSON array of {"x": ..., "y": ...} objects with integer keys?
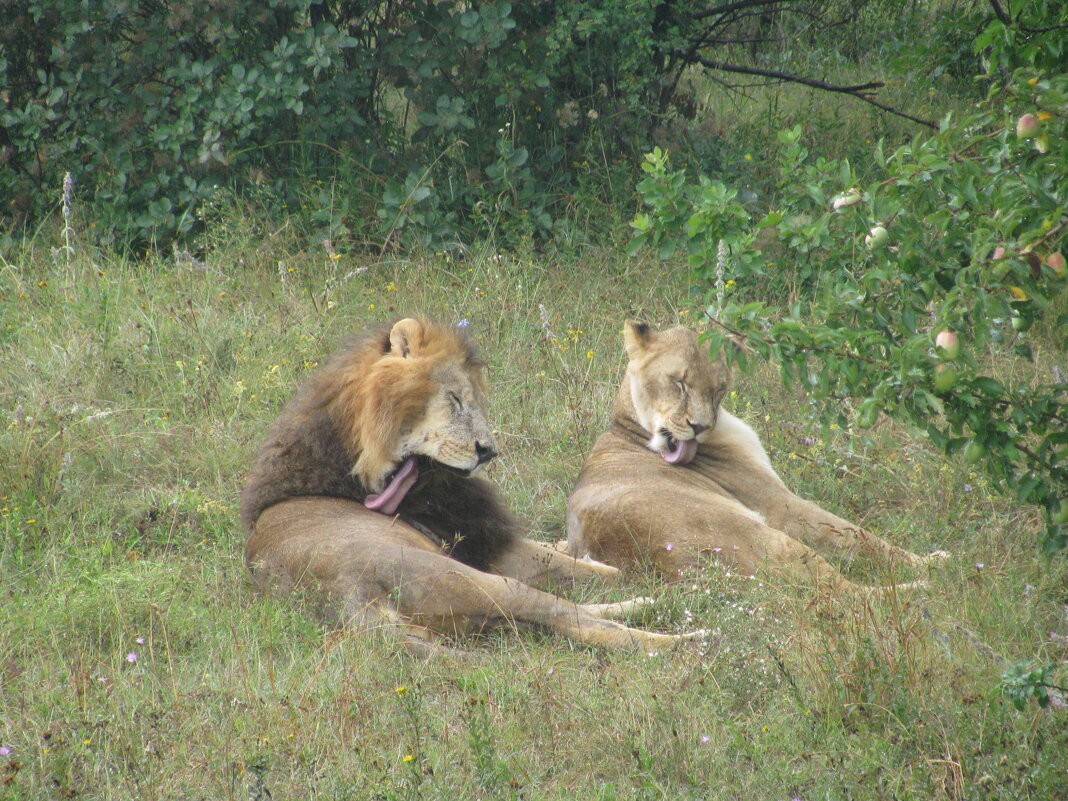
[
  {"x": 1009, "y": 22},
  {"x": 860, "y": 91},
  {"x": 726, "y": 8}
]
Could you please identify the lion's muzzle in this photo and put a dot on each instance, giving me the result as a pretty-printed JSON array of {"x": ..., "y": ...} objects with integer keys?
[{"x": 484, "y": 453}]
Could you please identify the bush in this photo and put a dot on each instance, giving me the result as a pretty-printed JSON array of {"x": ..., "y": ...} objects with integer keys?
[
  {"x": 149, "y": 105},
  {"x": 435, "y": 106},
  {"x": 432, "y": 116}
]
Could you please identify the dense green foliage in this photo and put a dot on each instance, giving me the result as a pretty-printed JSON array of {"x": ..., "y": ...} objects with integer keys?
[
  {"x": 387, "y": 122},
  {"x": 150, "y": 105},
  {"x": 429, "y": 107},
  {"x": 961, "y": 232}
]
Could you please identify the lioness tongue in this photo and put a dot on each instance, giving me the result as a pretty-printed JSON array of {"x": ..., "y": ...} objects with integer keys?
[
  {"x": 682, "y": 453},
  {"x": 389, "y": 499}
]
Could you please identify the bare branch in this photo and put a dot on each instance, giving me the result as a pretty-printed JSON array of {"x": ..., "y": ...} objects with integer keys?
[
  {"x": 860, "y": 91},
  {"x": 785, "y": 76},
  {"x": 1009, "y": 22},
  {"x": 727, "y": 8}
]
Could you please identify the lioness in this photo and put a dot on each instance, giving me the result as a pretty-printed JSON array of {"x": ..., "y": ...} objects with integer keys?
[
  {"x": 363, "y": 493},
  {"x": 678, "y": 477}
]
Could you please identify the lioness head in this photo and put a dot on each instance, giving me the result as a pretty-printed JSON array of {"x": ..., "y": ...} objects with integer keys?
[
  {"x": 675, "y": 387},
  {"x": 417, "y": 391}
]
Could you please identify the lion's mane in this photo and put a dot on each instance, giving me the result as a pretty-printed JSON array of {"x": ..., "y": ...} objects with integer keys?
[{"x": 350, "y": 413}]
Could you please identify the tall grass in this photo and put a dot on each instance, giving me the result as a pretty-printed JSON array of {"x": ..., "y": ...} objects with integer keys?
[{"x": 137, "y": 663}]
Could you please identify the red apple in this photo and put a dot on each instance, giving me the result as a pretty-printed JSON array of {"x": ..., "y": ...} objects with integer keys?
[
  {"x": 847, "y": 199},
  {"x": 948, "y": 342},
  {"x": 1055, "y": 261},
  {"x": 1027, "y": 126}
]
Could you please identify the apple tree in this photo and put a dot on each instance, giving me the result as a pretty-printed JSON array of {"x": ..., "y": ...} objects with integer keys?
[{"x": 922, "y": 293}]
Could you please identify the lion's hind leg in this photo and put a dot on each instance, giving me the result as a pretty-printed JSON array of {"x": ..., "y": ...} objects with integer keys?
[
  {"x": 749, "y": 545},
  {"x": 828, "y": 533},
  {"x": 791, "y": 557}
]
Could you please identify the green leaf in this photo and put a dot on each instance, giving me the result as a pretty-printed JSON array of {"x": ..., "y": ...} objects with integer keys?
[
  {"x": 989, "y": 386},
  {"x": 519, "y": 157}
]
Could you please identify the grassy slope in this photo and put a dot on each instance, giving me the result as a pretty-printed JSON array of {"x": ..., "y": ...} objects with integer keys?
[{"x": 134, "y": 395}]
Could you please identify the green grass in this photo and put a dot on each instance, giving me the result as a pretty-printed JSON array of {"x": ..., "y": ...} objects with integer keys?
[{"x": 134, "y": 395}]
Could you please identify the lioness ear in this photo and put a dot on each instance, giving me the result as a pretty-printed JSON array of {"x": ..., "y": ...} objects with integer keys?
[
  {"x": 405, "y": 336},
  {"x": 636, "y": 337}
]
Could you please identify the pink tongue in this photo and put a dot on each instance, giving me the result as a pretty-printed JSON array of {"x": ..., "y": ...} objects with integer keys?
[
  {"x": 682, "y": 453},
  {"x": 389, "y": 499}
]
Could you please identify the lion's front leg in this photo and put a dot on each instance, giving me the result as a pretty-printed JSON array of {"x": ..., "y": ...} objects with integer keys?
[
  {"x": 437, "y": 593},
  {"x": 539, "y": 565}
]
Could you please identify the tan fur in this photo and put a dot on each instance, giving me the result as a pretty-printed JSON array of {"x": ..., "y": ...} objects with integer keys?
[
  {"x": 632, "y": 508},
  {"x": 452, "y": 558}
]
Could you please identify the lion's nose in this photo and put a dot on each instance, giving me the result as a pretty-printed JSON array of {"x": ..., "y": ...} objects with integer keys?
[{"x": 484, "y": 452}]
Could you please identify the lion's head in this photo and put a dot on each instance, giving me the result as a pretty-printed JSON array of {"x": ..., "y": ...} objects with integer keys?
[
  {"x": 415, "y": 393},
  {"x": 675, "y": 387}
]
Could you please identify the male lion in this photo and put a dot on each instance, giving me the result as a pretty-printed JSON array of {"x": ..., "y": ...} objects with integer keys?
[
  {"x": 677, "y": 477},
  {"x": 363, "y": 493}
]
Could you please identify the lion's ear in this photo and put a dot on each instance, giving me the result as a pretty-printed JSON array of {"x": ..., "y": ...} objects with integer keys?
[
  {"x": 405, "y": 336},
  {"x": 636, "y": 337}
]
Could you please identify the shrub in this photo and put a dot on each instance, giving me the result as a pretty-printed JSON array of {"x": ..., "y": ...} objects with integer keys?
[
  {"x": 149, "y": 105},
  {"x": 438, "y": 115}
]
